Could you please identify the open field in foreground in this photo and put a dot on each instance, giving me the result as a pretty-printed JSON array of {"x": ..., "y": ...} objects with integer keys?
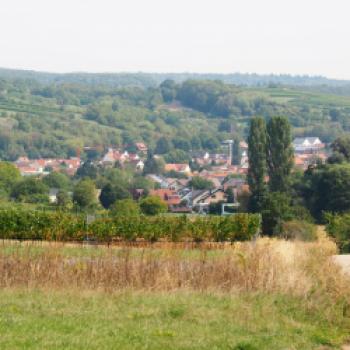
[
  {"x": 158, "y": 320},
  {"x": 268, "y": 294}
]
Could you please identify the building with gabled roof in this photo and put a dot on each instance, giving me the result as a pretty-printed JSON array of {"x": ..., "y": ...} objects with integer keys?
[
  {"x": 307, "y": 144},
  {"x": 141, "y": 147},
  {"x": 178, "y": 167}
]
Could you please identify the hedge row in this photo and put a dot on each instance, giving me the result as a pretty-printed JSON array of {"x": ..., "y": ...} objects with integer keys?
[
  {"x": 338, "y": 226},
  {"x": 58, "y": 226}
]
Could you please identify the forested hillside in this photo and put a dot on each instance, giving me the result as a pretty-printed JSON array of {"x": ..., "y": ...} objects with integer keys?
[
  {"x": 51, "y": 115},
  {"x": 154, "y": 79}
]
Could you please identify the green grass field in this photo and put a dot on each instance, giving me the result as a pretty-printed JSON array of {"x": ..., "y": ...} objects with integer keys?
[
  {"x": 179, "y": 320},
  {"x": 271, "y": 294}
]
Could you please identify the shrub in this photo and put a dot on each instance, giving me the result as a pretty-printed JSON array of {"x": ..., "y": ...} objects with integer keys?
[
  {"x": 153, "y": 205},
  {"x": 84, "y": 194},
  {"x": 125, "y": 207},
  {"x": 338, "y": 226},
  {"x": 61, "y": 226},
  {"x": 299, "y": 230}
]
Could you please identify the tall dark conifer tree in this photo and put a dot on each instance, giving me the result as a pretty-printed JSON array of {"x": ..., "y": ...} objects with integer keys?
[
  {"x": 257, "y": 163},
  {"x": 279, "y": 154}
]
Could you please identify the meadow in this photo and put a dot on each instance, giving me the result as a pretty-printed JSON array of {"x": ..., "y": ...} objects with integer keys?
[{"x": 267, "y": 294}]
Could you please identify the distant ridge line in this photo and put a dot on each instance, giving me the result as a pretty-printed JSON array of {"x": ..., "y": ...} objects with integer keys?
[{"x": 143, "y": 79}]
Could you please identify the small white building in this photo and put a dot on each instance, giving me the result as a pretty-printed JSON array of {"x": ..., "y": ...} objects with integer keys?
[{"x": 307, "y": 144}]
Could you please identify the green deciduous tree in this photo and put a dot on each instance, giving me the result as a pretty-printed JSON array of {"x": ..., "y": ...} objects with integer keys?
[
  {"x": 84, "y": 194},
  {"x": 276, "y": 210},
  {"x": 64, "y": 200},
  {"x": 341, "y": 150},
  {"x": 168, "y": 90},
  {"x": 327, "y": 188},
  {"x": 177, "y": 156},
  {"x": 163, "y": 146},
  {"x": 87, "y": 170},
  {"x": 56, "y": 180},
  {"x": 125, "y": 207},
  {"x": 279, "y": 154},
  {"x": 9, "y": 175},
  {"x": 111, "y": 193},
  {"x": 257, "y": 142},
  {"x": 153, "y": 205},
  {"x": 200, "y": 183},
  {"x": 30, "y": 190},
  {"x": 153, "y": 165}
]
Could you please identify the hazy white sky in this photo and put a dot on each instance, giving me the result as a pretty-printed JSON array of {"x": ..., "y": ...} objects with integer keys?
[{"x": 263, "y": 36}]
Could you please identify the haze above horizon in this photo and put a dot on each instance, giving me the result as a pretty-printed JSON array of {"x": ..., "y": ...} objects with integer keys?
[{"x": 289, "y": 37}]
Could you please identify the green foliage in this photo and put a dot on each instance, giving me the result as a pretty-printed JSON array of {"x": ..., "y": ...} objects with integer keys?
[
  {"x": 153, "y": 165},
  {"x": 57, "y": 118},
  {"x": 125, "y": 207},
  {"x": 84, "y": 194},
  {"x": 168, "y": 90},
  {"x": 276, "y": 210},
  {"x": 338, "y": 226},
  {"x": 87, "y": 170},
  {"x": 327, "y": 188},
  {"x": 341, "y": 150},
  {"x": 257, "y": 143},
  {"x": 37, "y": 225},
  {"x": 175, "y": 174},
  {"x": 140, "y": 182},
  {"x": 279, "y": 154},
  {"x": 163, "y": 146},
  {"x": 57, "y": 180},
  {"x": 111, "y": 193},
  {"x": 200, "y": 183},
  {"x": 299, "y": 230},
  {"x": 177, "y": 156},
  {"x": 64, "y": 200},
  {"x": 165, "y": 320},
  {"x": 9, "y": 175},
  {"x": 61, "y": 226},
  {"x": 30, "y": 190},
  {"x": 153, "y": 205}
]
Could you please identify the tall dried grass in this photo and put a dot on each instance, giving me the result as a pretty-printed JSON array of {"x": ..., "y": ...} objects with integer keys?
[{"x": 266, "y": 265}]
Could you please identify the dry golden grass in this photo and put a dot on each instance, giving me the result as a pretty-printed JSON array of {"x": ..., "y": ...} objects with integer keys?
[
  {"x": 284, "y": 293},
  {"x": 266, "y": 265}
]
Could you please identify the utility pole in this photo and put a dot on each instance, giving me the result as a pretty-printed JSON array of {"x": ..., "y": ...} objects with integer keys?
[{"x": 229, "y": 144}]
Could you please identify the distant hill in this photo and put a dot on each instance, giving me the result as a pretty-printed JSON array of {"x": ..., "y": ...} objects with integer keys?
[
  {"x": 154, "y": 79},
  {"x": 58, "y": 115}
]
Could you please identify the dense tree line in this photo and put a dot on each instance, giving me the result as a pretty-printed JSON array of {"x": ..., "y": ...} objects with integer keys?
[{"x": 281, "y": 193}]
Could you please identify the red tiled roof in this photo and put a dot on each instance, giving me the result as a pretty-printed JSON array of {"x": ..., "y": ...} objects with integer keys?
[
  {"x": 141, "y": 146},
  {"x": 168, "y": 196},
  {"x": 176, "y": 167}
]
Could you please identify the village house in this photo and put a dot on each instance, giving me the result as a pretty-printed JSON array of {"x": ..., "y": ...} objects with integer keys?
[
  {"x": 170, "y": 197},
  {"x": 176, "y": 184},
  {"x": 141, "y": 147},
  {"x": 307, "y": 145},
  {"x": 178, "y": 167},
  {"x": 201, "y": 199},
  {"x": 43, "y": 166},
  {"x": 303, "y": 161},
  {"x": 234, "y": 183},
  {"x": 115, "y": 155},
  {"x": 160, "y": 181},
  {"x": 138, "y": 164}
]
